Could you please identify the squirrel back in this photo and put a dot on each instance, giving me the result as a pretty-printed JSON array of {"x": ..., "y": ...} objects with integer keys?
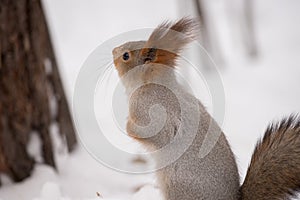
[{"x": 274, "y": 171}]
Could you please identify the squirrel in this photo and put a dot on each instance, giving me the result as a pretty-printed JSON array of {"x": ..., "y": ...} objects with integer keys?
[{"x": 146, "y": 69}]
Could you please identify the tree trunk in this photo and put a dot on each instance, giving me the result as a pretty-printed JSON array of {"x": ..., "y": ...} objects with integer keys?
[
  {"x": 29, "y": 85},
  {"x": 249, "y": 29},
  {"x": 208, "y": 38}
]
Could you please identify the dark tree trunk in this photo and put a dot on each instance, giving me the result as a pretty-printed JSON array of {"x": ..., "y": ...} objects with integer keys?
[
  {"x": 29, "y": 84},
  {"x": 208, "y": 38},
  {"x": 249, "y": 29}
]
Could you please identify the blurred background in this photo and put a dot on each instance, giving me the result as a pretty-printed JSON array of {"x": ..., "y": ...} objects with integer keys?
[{"x": 256, "y": 48}]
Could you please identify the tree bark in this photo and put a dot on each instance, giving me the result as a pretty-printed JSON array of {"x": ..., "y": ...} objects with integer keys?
[{"x": 29, "y": 85}]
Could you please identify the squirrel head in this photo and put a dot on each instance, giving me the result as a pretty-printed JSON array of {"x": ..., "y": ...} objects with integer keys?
[
  {"x": 163, "y": 47},
  {"x": 126, "y": 56}
]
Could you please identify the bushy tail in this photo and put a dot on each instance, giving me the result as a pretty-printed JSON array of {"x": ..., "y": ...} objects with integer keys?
[{"x": 274, "y": 171}]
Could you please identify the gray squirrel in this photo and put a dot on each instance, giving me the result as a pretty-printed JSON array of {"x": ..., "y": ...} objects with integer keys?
[{"x": 146, "y": 69}]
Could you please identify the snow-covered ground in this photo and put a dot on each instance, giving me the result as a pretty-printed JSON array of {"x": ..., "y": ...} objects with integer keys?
[{"x": 257, "y": 91}]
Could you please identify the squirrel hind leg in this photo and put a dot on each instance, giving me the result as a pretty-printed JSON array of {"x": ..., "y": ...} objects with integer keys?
[{"x": 274, "y": 171}]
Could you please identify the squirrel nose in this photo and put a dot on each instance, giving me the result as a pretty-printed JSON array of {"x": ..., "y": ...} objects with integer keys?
[{"x": 114, "y": 51}]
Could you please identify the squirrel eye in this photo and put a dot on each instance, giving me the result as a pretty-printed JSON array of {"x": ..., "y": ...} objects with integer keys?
[{"x": 126, "y": 56}]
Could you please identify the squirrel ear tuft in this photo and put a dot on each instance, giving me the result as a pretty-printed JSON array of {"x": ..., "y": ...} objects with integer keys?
[{"x": 168, "y": 39}]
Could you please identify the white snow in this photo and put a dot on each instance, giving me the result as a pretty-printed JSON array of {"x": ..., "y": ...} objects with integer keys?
[
  {"x": 34, "y": 147},
  {"x": 257, "y": 91}
]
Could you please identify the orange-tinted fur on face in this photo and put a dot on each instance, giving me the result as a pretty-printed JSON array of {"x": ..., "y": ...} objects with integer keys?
[
  {"x": 161, "y": 56},
  {"x": 124, "y": 66},
  {"x": 167, "y": 40}
]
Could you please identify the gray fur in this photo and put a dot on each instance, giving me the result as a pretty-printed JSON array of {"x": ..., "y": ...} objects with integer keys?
[{"x": 189, "y": 177}]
